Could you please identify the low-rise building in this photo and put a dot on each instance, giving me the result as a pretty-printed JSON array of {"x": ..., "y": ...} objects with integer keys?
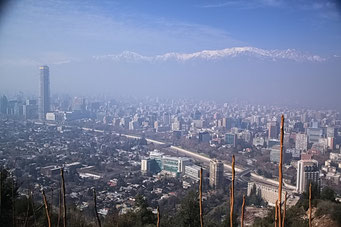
[{"x": 193, "y": 172}]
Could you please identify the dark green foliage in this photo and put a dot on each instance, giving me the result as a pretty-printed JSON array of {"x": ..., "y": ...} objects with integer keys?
[
  {"x": 216, "y": 210},
  {"x": 227, "y": 220},
  {"x": 315, "y": 194},
  {"x": 24, "y": 210},
  {"x": 142, "y": 216},
  {"x": 8, "y": 191},
  {"x": 328, "y": 207},
  {"x": 128, "y": 219},
  {"x": 324, "y": 201},
  {"x": 328, "y": 194},
  {"x": 189, "y": 212},
  {"x": 267, "y": 221},
  {"x": 74, "y": 218},
  {"x": 294, "y": 217}
]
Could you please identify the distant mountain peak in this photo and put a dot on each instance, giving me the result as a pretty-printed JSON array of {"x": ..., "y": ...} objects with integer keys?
[{"x": 273, "y": 55}]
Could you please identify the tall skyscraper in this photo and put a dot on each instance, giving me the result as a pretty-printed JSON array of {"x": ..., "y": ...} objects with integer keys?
[
  {"x": 44, "y": 96},
  {"x": 216, "y": 173},
  {"x": 307, "y": 171}
]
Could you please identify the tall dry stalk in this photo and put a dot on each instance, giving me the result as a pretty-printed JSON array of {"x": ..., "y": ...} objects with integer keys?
[
  {"x": 158, "y": 217},
  {"x": 276, "y": 213},
  {"x": 63, "y": 196},
  {"x": 13, "y": 203},
  {"x": 232, "y": 193},
  {"x": 97, "y": 216},
  {"x": 60, "y": 206},
  {"x": 243, "y": 208},
  {"x": 51, "y": 204},
  {"x": 33, "y": 209},
  {"x": 46, "y": 209},
  {"x": 280, "y": 169},
  {"x": 28, "y": 208},
  {"x": 27, "y": 212},
  {"x": 200, "y": 199},
  {"x": 0, "y": 189},
  {"x": 310, "y": 204},
  {"x": 285, "y": 209}
]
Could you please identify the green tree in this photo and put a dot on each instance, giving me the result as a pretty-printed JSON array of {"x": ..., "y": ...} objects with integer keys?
[
  {"x": 144, "y": 215},
  {"x": 8, "y": 189},
  {"x": 189, "y": 210},
  {"x": 328, "y": 194}
]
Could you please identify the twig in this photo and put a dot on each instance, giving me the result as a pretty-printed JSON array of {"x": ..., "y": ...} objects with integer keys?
[
  {"x": 63, "y": 195},
  {"x": 0, "y": 189},
  {"x": 232, "y": 193},
  {"x": 13, "y": 203},
  {"x": 39, "y": 208},
  {"x": 158, "y": 217},
  {"x": 33, "y": 209},
  {"x": 60, "y": 207},
  {"x": 285, "y": 209},
  {"x": 46, "y": 210},
  {"x": 280, "y": 174},
  {"x": 276, "y": 213},
  {"x": 200, "y": 199},
  {"x": 310, "y": 204},
  {"x": 95, "y": 202},
  {"x": 27, "y": 211},
  {"x": 243, "y": 208}
]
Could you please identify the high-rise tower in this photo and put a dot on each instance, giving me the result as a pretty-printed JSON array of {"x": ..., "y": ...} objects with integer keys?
[
  {"x": 216, "y": 173},
  {"x": 44, "y": 95},
  {"x": 307, "y": 171}
]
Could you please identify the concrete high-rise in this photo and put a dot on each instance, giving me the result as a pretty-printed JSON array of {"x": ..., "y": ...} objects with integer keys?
[
  {"x": 307, "y": 171},
  {"x": 216, "y": 173},
  {"x": 44, "y": 95},
  {"x": 301, "y": 142},
  {"x": 273, "y": 130}
]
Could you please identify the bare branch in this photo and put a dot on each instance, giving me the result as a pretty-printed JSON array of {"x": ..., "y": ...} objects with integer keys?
[
  {"x": 46, "y": 210},
  {"x": 232, "y": 193},
  {"x": 200, "y": 199},
  {"x": 97, "y": 216},
  {"x": 280, "y": 169},
  {"x": 243, "y": 208}
]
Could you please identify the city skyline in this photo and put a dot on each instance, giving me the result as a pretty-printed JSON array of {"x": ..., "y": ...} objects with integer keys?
[
  {"x": 158, "y": 148},
  {"x": 170, "y": 113}
]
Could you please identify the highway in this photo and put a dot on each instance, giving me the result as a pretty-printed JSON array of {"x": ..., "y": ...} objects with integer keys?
[{"x": 241, "y": 172}]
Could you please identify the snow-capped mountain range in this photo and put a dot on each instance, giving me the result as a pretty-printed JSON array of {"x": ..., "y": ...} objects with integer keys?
[{"x": 273, "y": 55}]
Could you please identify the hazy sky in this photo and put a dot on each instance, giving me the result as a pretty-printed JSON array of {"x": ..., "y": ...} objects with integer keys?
[{"x": 267, "y": 51}]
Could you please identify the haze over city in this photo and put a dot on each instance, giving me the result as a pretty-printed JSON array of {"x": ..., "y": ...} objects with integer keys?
[
  {"x": 221, "y": 50},
  {"x": 170, "y": 113}
]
